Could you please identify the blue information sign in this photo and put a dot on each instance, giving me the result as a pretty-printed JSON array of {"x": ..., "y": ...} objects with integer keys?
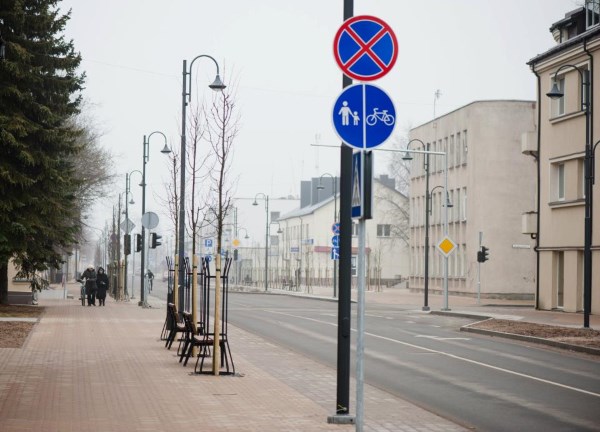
[
  {"x": 335, "y": 253},
  {"x": 335, "y": 241},
  {"x": 364, "y": 116}
]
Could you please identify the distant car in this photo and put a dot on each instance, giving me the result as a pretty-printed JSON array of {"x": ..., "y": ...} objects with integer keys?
[{"x": 165, "y": 275}]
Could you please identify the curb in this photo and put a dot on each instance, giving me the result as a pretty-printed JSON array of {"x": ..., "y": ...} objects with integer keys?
[
  {"x": 461, "y": 314},
  {"x": 533, "y": 339}
]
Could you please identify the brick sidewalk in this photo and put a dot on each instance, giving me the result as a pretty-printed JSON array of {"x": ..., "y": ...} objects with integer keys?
[{"x": 104, "y": 369}]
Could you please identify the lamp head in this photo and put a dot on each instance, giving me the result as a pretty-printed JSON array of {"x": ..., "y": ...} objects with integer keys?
[
  {"x": 246, "y": 236},
  {"x": 255, "y": 203},
  {"x": 407, "y": 156},
  {"x": 165, "y": 150},
  {"x": 279, "y": 231},
  {"x": 555, "y": 92},
  {"x": 320, "y": 186},
  {"x": 131, "y": 201},
  {"x": 217, "y": 84}
]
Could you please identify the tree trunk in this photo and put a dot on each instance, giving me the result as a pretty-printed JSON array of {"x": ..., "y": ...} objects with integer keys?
[{"x": 4, "y": 281}]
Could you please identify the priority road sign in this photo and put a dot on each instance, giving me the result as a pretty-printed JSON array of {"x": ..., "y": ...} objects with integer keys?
[
  {"x": 365, "y": 48},
  {"x": 364, "y": 116},
  {"x": 446, "y": 246}
]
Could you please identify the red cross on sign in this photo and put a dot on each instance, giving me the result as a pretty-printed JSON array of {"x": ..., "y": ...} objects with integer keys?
[{"x": 365, "y": 48}]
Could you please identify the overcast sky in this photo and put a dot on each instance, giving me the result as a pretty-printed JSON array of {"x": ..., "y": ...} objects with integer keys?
[{"x": 280, "y": 54}]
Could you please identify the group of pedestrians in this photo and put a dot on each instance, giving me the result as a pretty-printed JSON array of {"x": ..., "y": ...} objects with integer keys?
[{"x": 96, "y": 285}]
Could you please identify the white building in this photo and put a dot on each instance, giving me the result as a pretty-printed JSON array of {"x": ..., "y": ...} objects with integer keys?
[{"x": 302, "y": 256}]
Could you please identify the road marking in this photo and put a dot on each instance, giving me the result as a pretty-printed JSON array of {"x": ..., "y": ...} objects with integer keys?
[
  {"x": 453, "y": 356},
  {"x": 441, "y": 338}
]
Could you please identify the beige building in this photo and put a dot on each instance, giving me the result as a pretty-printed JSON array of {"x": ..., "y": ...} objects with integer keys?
[
  {"x": 490, "y": 184},
  {"x": 557, "y": 220}
]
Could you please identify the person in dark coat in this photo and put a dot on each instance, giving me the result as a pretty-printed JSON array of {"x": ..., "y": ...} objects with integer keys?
[
  {"x": 102, "y": 284},
  {"x": 90, "y": 284}
]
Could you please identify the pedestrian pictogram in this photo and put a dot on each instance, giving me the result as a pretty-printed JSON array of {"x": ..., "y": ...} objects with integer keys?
[
  {"x": 364, "y": 116},
  {"x": 365, "y": 48}
]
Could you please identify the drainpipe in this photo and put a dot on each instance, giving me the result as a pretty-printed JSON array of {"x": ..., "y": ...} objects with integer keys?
[
  {"x": 538, "y": 158},
  {"x": 591, "y": 143}
]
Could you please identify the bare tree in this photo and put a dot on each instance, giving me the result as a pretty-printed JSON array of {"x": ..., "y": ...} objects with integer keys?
[{"x": 222, "y": 128}]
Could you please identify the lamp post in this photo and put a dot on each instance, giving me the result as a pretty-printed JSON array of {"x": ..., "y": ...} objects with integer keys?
[
  {"x": 407, "y": 156},
  {"x": 255, "y": 203},
  {"x": 165, "y": 150},
  {"x": 446, "y": 207},
  {"x": 186, "y": 95},
  {"x": 556, "y": 93},
  {"x": 128, "y": 228},
  {"x": 320, "y": 187}
]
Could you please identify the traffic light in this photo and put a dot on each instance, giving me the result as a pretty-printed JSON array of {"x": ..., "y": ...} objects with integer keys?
[
  {"x": 235, "y": 254},
  {"x": 483, "y": 254},
  {"x": 138, "y": 242},
  {"x": 127, "y": 244},
  {"x": 155, "y": 240}
]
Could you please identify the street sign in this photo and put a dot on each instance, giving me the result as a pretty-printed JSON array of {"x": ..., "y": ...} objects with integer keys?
[
  {"x": 335, "y": 253},
  {"x": 294, "y": 249},
  {"x": 208, "y": 258},
  {"x": 335, "y": 241},
  {"x": 446, "y": 246},
  {"x": 149, "y": 220},
  {"x": 365, "y": 48},
  {"x": 235, "y": 242},
  {"x": 335, "y": 228},
  {"x": 208, "y": 243},
  {"x": 362, "y": 185},
  {"x": 127, "y": 226},
  {"x": 364, "y": 116}
]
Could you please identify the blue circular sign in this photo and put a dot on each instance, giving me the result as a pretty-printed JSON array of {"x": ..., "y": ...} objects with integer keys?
[{"x": 364, "y": 116}]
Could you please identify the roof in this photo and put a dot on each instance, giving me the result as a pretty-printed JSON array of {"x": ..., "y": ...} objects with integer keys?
[
  {"x": 589, "y": 34},
  {"x": 469, "y": 104},
  {"x": 303, "y": 211}
]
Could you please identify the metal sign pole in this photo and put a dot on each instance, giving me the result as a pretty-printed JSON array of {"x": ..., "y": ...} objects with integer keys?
[{"x": 360, "y": 313}]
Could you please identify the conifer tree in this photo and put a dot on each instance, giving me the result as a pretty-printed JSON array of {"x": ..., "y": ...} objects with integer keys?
[{"x": 39, "y": 93}]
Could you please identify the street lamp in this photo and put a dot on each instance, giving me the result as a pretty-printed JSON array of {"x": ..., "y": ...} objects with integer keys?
[
  {"x": 165, "y": 150},
  {"x": 255, "y": 203},
  {"x": 186, "y": 96},
  {"x": 321, "y": 187},
  {"x": 128, "y": 229},
  {"x": 556, "y": 93},
  {"x": 2, "y": 48},
  {"x": 408, "y": 156}
]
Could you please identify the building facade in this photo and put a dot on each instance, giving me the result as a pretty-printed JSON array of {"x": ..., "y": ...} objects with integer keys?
[
  {"x": 558, "y": 213},
  {"x": 304, "y": 244},
  {"x": 490, "y": 185}
]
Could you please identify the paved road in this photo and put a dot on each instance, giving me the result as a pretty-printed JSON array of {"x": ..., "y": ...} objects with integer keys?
[{"x": 484, "y": 383}]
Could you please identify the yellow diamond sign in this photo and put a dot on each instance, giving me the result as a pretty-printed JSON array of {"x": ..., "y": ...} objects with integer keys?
[
  {"x": 446, "y": 246},
  {"x": 236, "y": 242}
]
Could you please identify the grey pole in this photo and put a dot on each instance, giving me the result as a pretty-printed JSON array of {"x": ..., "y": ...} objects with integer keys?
[
  {"x": 127, "y": 231},
  {"x": 427, "y": 205},
  {"x": 267, "y": 244}
]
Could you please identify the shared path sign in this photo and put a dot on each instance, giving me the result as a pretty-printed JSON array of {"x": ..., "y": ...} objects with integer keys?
[
  {"x": 364, "y": 116},
  {"x": 365, "y": 48}
]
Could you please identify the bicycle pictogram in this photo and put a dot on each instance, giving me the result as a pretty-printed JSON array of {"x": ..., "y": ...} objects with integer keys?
[{"x": 383, "y": 116}]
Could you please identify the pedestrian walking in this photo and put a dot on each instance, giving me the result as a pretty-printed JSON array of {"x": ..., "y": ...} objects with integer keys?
[
  {"x": 90, "y": 284},
  {"x": 102, "y": 284}
]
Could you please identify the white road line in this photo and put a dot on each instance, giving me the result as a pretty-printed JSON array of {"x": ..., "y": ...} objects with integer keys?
[{"x": 500, "y": 369}]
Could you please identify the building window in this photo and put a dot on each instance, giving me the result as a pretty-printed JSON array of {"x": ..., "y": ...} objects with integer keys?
[
  {"x": 560, "y": 181},
  {"x": 354, "y": 229},
  {"x": 558, "y": 105},
  {"x": 581, "y": 178},
  {"x": 458, "y": 149},
  {"x": 560, "y": 279},
  {"x": 353, "y": 265},
  {"x": 464, "y": 147},
  {"x": 592, "y": 15},
  {"x": 384, "y": 230}
]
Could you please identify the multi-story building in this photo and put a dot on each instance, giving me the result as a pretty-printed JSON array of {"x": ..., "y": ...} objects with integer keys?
[
  {"x": 490, "y": 185},
  {"x": 557, "y": 221}
]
